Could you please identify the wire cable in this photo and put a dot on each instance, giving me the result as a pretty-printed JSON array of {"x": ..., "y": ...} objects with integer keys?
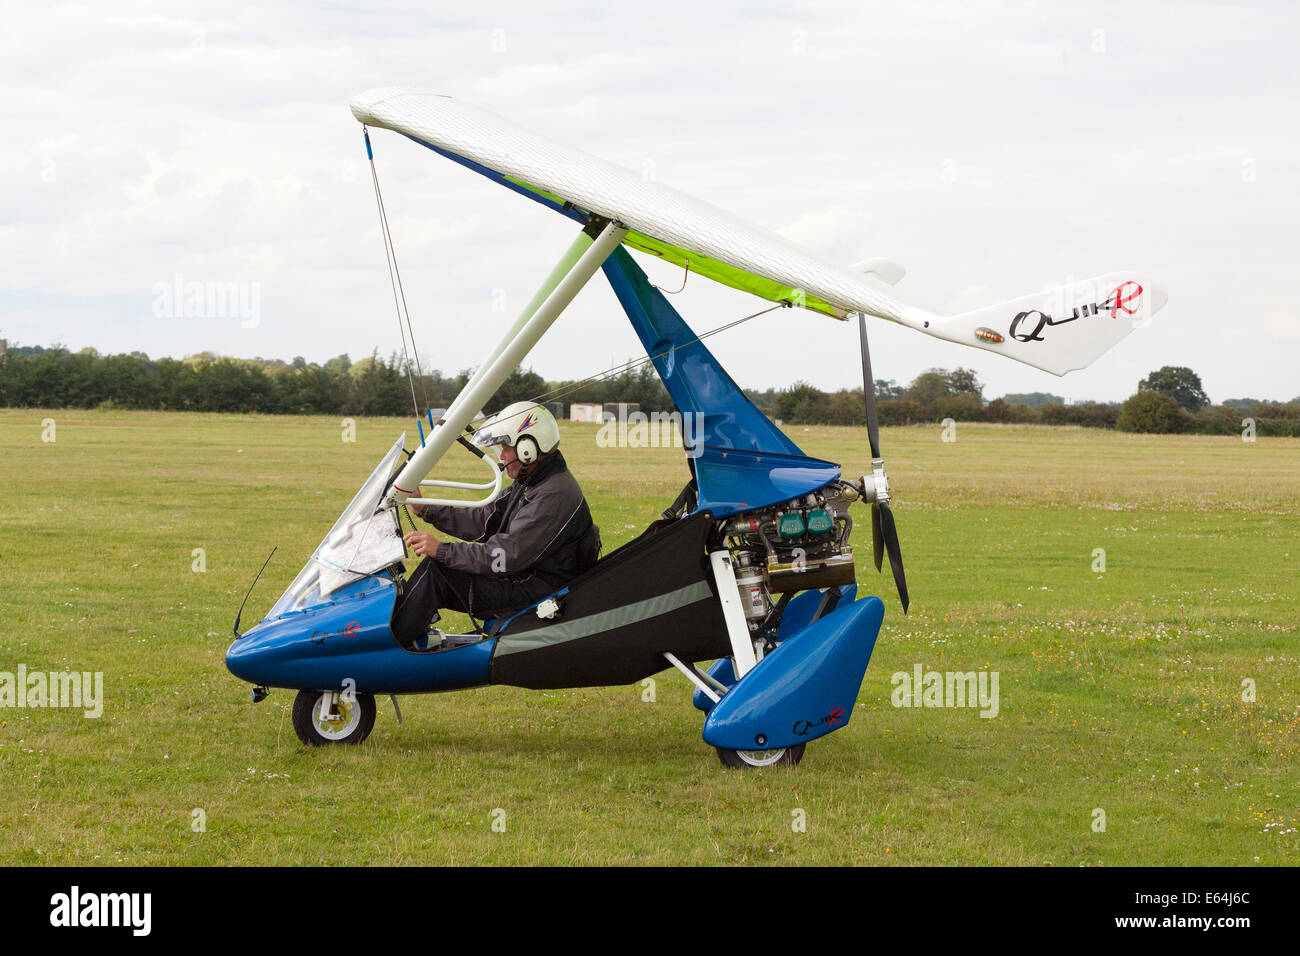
[
  {"x": 633, "y": 364},
  {"x": 395, "y": 280}
]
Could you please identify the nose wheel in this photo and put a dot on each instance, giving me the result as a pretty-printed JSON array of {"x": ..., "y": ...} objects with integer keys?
[
  {"x": 748, "y": 759},
  {"x": 325, "y": 717}
]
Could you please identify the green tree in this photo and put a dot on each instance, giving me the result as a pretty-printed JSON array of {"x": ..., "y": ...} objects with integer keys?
[
  {"x": 962, "y": 407},
  {"x": 846, "y": 407},
  {"x": 928, "y": 387},
  {"x": 1032, "y": 399},
  {"x": 519, "y": 386},
  {"x": 962, "y": 381},
  {"x": 1179, "y": 383},
  {"x": 803, "y": 404},
  {"x": 1150, "y": 411},
  {"x": 887, "y": 390}
]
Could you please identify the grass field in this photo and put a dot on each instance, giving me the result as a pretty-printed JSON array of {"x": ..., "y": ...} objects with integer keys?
[{"x": 1120, "y": 690}]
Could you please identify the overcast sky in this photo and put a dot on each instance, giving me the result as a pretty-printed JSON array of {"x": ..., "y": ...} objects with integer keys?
[{"x": 990, "y": 147}]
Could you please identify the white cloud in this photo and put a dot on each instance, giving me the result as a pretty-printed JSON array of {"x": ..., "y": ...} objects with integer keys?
[{"x": 987, "y": 146}]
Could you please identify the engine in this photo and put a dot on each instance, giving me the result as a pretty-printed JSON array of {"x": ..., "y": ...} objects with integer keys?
[{"x": 800, "y": 544}]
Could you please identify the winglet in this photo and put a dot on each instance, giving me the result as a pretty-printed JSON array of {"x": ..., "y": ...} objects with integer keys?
[{"x": 1059, "y": 329}]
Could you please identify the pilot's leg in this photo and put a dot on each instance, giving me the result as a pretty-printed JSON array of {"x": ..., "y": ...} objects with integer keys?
[
  {"x": 491, "y": 595},
  {"x": 431, "y": 587},
  {"x": 434, "y": 586}
]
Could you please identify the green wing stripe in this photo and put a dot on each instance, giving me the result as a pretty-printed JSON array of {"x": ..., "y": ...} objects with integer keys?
[
  {"x": 727, "y": 274},
  {"x": 711, "y": 268}
]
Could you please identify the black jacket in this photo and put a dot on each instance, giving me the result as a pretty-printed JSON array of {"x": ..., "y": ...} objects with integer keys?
[{"x": 541, "y": 526}]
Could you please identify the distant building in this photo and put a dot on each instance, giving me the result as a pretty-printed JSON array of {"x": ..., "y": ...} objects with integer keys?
[
  {"x": 556, "y": 409},
  {"x": 583, "y": 412}
]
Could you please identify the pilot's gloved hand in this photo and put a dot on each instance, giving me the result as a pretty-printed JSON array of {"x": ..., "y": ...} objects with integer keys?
[{"x": 421, "y": 543}]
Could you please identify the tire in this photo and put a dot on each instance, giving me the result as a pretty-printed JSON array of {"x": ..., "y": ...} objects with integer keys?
[
  {"x": 753, "y": 759},
  {"x": 358, "y": 719}
]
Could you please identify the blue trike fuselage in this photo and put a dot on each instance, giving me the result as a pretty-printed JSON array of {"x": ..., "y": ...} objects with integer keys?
[{"x": 348, "y": 638}]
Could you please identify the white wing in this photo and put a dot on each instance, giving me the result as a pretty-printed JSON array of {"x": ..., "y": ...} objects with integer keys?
[{"x": 682, "y": 229}]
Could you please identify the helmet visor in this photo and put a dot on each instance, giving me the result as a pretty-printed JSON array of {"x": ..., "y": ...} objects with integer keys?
[{"x": 490, "y": 436}]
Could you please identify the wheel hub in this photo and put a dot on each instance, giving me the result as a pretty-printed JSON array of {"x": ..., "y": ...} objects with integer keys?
[{"x": 343, "y": 722}]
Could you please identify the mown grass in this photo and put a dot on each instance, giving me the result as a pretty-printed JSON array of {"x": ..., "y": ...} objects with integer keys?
[{"x": 1120, "y": 690}]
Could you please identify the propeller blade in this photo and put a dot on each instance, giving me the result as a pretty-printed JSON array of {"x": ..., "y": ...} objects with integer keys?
[
  {"x": 884, "y": 530},
  {"x": 877, "y": 538},
  {"x": 890, "y": 531},
  {"x": 869, "y": 390}
]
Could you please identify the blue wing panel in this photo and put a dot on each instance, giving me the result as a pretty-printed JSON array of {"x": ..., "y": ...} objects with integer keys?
[
  {"x": 741, "y": 459},
  {"x": 693, "y": 377},
  {"x": 735, "y": 481}
]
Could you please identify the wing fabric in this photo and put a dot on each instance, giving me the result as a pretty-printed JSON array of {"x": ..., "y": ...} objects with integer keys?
[
  {"x": 740, "y": 458},
  {"x": 661, "y": 220}
]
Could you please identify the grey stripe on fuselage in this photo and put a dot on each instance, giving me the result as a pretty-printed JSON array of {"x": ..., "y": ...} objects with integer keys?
[{"x": 604, "y": 620}]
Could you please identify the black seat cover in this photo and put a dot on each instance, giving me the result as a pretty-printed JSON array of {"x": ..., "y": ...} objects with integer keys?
[{"x": 652, "y": 595}]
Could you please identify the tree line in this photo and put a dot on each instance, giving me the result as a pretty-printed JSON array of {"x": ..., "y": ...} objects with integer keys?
[
  {"x": 1169, "y": 400},
  {"x": 38, "y": 377}
]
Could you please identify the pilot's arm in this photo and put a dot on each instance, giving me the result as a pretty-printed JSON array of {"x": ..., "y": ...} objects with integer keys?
[
  {"x": 468, "y": 524},
  {"x": 543, "y": 521}
]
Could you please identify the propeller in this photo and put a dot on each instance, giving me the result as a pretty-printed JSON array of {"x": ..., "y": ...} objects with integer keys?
[{"x": 884, "y": 530}]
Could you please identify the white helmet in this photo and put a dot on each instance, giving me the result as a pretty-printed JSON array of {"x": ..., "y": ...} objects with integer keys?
[{"x": 526, "y": 426}]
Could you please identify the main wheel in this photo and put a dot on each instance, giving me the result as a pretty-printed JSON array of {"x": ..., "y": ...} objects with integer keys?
[
  {"x": 353, "y": 723},
  {"x": 748, "y": 759}
]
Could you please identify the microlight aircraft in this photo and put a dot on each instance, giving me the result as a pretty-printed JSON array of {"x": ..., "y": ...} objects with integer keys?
[{"x": 750, "y": 568}]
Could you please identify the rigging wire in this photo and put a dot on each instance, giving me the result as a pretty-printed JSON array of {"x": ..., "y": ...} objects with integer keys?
[
  {"x": 632, "y": 364},
  {"x": 395, "y": 279}
]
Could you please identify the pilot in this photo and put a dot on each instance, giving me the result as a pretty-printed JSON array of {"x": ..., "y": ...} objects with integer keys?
[{"x": 534, "y": 539}]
